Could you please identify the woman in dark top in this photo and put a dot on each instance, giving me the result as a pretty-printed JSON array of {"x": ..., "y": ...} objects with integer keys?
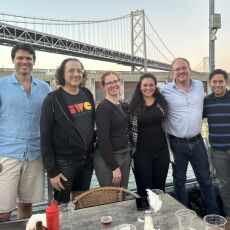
[
  {"x": 148, "y": 109},
  {"x": 112, "y": 158}
]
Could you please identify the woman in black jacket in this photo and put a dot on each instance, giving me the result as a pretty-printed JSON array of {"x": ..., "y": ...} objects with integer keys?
[{"x": 67, "y": 132}]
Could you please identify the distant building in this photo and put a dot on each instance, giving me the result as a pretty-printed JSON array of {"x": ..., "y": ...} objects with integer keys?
[{"x": 128, "y": 79}]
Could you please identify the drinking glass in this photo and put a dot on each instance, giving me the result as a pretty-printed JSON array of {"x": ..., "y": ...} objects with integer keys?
[
  {"x": 214, "y": 222},
  {"x": 159, "y": 193},
  {"x": 185, "y": 219},
  {"x": 66, "y": 214}
]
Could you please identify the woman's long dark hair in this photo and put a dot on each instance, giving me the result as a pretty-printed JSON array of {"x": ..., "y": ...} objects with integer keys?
[{"x": 137, "y": 102}]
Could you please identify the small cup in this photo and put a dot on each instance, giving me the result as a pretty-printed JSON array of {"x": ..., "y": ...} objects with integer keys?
[
  {"x": 106, "y": 220},
  {"x": 185, "y": 219},
  {"x": 214, "y": 222}
]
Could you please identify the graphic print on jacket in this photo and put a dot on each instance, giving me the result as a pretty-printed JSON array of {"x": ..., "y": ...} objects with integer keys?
[{"x": 81, "y": 110}]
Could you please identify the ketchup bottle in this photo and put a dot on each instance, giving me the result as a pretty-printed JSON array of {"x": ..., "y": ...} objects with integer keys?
[{"x": 52, "y": 217}]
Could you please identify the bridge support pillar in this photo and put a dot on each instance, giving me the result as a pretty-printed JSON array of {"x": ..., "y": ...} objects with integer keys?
[{"x": 138, "y": 39}]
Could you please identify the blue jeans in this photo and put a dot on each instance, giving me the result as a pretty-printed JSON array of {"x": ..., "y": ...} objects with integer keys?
[
  {"x": 221, "y": 162},
  {"x": 195, "y": 153}
]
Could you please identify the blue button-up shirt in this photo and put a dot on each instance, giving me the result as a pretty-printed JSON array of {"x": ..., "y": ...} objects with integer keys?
[
  {"x": 20, "y": 117},
  {"x": 185, "y": 109}
]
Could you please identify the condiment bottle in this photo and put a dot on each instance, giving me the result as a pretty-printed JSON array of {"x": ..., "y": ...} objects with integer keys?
[
  {"x": 52, "y": 217},
  {"x": 148, "y": 224},
  {"x": 39, "y": 226}
]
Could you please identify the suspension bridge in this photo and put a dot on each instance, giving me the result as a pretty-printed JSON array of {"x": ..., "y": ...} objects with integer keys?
[{"x": 129, "y": 40}]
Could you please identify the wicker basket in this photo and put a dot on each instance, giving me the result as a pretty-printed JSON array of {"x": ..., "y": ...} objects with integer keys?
[{"x": 102, "y": 195}]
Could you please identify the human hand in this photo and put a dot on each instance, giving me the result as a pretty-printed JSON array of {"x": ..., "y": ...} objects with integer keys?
[
  {"x": 56, "y": 182},
  {"x": 116, "y": 177}
]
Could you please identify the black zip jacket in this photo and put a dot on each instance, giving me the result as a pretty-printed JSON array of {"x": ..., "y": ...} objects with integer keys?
[{"x": 60, "y": 138}]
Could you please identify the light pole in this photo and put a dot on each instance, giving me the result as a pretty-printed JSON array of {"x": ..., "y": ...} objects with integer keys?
[{"x": 214, "y": 25}]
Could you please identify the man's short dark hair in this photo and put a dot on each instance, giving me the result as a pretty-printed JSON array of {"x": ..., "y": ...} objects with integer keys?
[
  {"x": 22, "y": 46},
  {"x": 218, "y": 71}
]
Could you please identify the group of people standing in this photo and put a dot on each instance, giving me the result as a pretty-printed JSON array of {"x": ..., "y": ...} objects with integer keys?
[{"x": 156, "y": 127}]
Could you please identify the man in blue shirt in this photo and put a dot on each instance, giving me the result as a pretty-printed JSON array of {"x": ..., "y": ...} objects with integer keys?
[
  {"x": 217, "y": 111},
  {"x": 185, "y": 100},
  {"x": 22, "y": 172}
]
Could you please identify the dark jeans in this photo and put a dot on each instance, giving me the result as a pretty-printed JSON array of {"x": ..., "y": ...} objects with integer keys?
[
  {"x": 150, "y": 170},
  {"x": 221, "y": 162},
  {"x": 195, "y": 153},
  {"x": 78, "y": 174}
]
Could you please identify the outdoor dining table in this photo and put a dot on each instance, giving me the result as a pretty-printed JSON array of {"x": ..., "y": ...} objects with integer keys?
[{"x": 121, "y": 212}]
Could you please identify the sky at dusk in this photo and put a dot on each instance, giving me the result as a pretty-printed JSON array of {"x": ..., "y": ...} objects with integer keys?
[{"x": 182, "y": 24}]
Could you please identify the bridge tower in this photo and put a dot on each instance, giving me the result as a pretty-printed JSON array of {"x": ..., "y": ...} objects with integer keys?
[{"x": 138, "y": 39}]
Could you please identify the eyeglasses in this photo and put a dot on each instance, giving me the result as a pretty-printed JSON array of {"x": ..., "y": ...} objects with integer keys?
[
  {"x": 72, "y": 70},
  {"x": 183, "y": 68},
  {"x": 111, "y": 82}
]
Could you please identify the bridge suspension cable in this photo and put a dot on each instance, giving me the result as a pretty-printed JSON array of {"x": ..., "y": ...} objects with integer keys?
[
  {"x": 203, "y": 66},
  {"x": 153, "y": 37},
  {"x": 108, "y": 35},
  {"x": 112, "y": 33},
  {"x": 57, "y": 21},
  {"x": 150, "y": 40}
]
